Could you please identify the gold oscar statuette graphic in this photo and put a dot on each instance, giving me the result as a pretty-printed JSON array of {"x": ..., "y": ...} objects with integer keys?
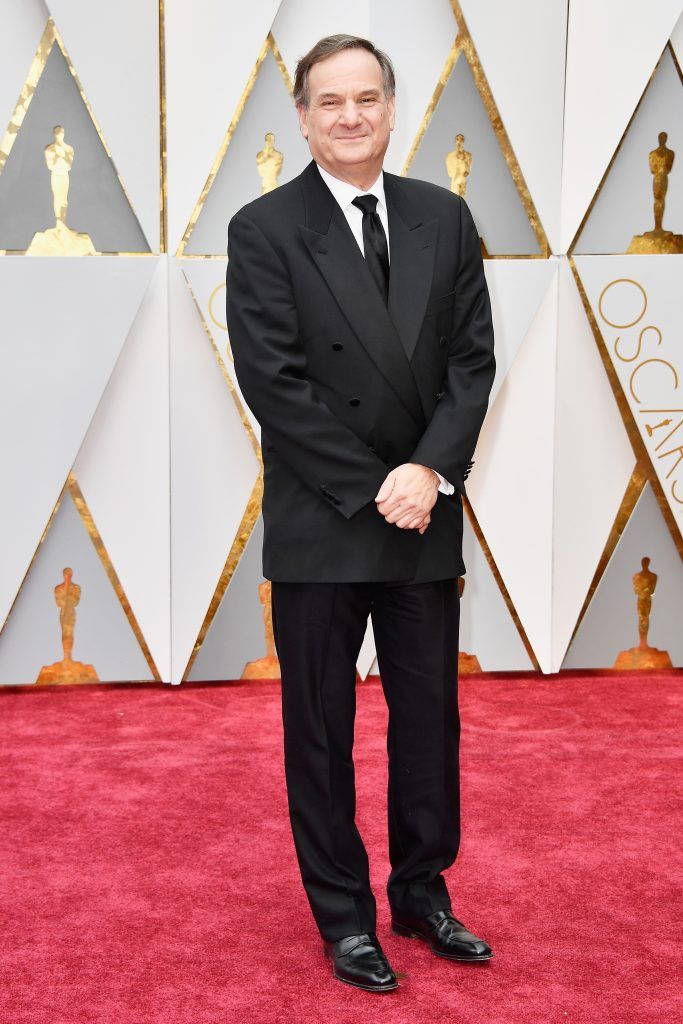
[
  {"x": 60, "y": 240},
  {"x": 269, "y": 162},
  {"x": 67, "y": 596},
  {"x": 458, "y": 166},
  {"x": 643, "y": 656},
  {"x": 467, "y": 663},
  {"x": 268, "y": 667},
  {"x": 659, "y": 240}
]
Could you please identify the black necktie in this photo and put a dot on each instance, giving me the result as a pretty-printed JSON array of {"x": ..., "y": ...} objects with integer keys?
[{"x": 374, "y": 243}]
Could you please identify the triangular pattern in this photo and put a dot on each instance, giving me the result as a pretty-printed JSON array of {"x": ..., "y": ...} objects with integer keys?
[
  {"x": 511, "y": 485},
  {"x": 528, "y": 93},
  {"x": 594, "y": 461},
  {"x": 208, "y": 61},
  {"x": 265, "y": 109},
  {"x": 58, "y": 369},
  {"x": 623, "y": 206},
  {"x": 123, "y": 467},
  {"x": 495, "y": 190},
  {"x": 213, "y": 468},
  {"x": 106, "y": 634},
  {"x": 98, "y": 208},
  {"x": 206, "y": 282},
  {"x": 516, "y": 289},
  {"x": 612, "y": 49},
  {"x": 611, "y": 624},
  {"x": 127, "y": 104}
]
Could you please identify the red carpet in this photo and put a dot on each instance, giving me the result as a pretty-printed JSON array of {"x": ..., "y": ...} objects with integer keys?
[{"x": 148, "y": 875}]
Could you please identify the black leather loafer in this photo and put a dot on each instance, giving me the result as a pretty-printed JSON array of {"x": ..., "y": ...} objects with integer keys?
[
  {"x": 445, "y": 935},
  {"x": 359, "y": 960}
]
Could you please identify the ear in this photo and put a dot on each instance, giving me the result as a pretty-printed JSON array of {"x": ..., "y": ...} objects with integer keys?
[
  {"x": 303, "y": 120},
  {"x": 391, "y": 105}
]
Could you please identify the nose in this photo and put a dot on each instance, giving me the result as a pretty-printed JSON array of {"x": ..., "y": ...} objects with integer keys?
[{"x": 350, "y": 115}]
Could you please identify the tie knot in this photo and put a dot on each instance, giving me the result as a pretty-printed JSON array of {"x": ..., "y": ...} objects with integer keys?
[{"x": 367, "y": 204}]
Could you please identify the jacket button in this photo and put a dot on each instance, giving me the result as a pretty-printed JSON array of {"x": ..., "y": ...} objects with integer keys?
[
  {"x": 442, "y": 340},
  {"x": 337, "y": 346},
  {"x": 354, "y": 401},
  {"x": 438, "y": 395}
]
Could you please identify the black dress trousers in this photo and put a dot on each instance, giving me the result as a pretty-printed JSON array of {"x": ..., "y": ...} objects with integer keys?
[{"x": 319, "y": 629}]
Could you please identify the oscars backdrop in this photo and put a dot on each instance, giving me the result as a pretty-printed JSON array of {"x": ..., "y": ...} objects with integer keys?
[{"x": 131, "y": 469}]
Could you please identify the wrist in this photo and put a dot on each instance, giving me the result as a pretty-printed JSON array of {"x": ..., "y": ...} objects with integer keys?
[{"x": 436, "y": 477}]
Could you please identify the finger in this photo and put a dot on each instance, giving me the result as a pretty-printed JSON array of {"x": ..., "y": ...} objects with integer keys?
[
  {"x": 393, "y": 501},
  {"x": 410, "y": 520},
  {"x": 425, "y": 523},
  {"x": 386, "y": 488},
  {"x": 405, "y": 513},
  {"x": 395, "y": 497},
  {"x": 413, "y": 510}
]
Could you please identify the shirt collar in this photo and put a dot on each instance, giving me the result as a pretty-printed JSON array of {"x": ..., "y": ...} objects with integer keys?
[{"x": 345, "y": 193}]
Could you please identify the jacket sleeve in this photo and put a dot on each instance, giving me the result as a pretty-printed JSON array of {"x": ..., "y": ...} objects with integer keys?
[
  {"x": 270, "y": 363},
  {"x": 450, "y": 437}
]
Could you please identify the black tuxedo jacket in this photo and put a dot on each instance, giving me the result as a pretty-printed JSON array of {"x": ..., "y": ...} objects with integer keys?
[{"x": 344, "y": 388}]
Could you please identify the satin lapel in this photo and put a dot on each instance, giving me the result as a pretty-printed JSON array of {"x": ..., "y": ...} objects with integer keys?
[
  {"x": 334, "y": 249},
  {"x": 412, "y": 248}
]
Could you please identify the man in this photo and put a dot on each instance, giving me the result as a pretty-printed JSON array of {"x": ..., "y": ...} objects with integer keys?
[{"x": 361, "y": 330}]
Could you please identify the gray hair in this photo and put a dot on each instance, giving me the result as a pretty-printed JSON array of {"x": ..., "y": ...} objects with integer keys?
[{"x": 330, "y": 45}]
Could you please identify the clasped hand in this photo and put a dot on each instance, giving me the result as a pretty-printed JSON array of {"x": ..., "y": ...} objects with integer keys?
[{"x": 408, "y": 495}]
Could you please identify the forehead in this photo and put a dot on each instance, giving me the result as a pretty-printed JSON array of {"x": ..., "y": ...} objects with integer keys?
[{"x": 350, "y": 70}]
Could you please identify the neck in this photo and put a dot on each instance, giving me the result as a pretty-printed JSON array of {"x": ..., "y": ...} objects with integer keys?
[{"x": 361, "y": 177}]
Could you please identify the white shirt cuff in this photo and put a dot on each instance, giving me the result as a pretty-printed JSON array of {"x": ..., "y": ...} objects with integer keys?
[{"x": 444, "y": 485}]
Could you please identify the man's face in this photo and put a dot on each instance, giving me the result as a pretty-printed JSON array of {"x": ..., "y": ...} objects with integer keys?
[{"x": 348, "y": 121}]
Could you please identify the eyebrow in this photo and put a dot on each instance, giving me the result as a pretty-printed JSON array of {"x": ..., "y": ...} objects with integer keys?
[{"x": 336, "y": 95}]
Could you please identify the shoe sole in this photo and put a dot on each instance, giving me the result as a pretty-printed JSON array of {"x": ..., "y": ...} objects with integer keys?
[
  {"x": 366, "y": 988},
  {"x": 408, "y": 933}
]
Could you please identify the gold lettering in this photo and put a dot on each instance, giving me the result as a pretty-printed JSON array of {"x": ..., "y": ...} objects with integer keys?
[
  {"x": 672, "y": 451},
  {"x": 630, "y": 359},
  {"x": 623, "y": 280},
  {"x": 673, "y": 431},
  {"x": 665, "y": 421},
  {"x": 644, "y": 363}
]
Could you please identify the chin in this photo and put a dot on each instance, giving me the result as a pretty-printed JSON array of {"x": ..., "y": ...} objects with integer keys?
[{"x": 353, "y": 155}]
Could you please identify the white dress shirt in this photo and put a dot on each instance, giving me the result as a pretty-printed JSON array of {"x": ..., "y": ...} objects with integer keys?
[{"x": 345, "y": 193}]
